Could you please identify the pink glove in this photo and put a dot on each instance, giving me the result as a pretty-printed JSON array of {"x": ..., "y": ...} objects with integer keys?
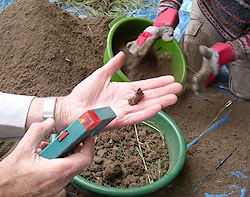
[
  {"x": 213, "y": 58},
  {"x": 162, "y": 28}
]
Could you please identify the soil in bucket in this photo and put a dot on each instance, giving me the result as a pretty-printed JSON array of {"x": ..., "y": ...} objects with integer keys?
[
  {"x": 118, "y": 160},
  {"x": 145, "y": 67}
]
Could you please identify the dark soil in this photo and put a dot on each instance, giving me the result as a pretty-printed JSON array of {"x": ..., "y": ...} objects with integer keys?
[
  {"x": 45, "y": 51},
  {"x": 117, "y": 160},
  {"x": 193, "y": 114}
]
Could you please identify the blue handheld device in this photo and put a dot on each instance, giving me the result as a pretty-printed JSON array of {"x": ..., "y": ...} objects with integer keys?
[{"x": 90, "y": 122}]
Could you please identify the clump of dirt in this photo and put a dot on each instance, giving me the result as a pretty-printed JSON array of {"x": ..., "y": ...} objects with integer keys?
[
  {"x": 145, "y": 67},
  {"x": 118, "y": 162}
]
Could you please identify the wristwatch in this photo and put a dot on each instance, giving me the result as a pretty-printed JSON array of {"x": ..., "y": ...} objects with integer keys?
[{"x": 49, "y": 107}]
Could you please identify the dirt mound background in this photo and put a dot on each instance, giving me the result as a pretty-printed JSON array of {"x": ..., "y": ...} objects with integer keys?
[{"x": 45, "y": 51}]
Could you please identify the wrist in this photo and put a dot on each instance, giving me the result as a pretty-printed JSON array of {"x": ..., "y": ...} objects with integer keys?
[
  {"x": 210, "y": 79},
  {"x": 35, "y": 112},
  {"x": 59, "y": 114},
  {"x": 49, "y": 107},
  {"x": 225, "y": 52},
  {"x": 169, "y": 16},
  {"x": 41, "y": 109}
]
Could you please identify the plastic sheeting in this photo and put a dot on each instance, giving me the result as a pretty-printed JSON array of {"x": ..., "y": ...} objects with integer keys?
[
  {"x": 149, "y": 13},
  {"x": 184, "y": 14},
  {"x": 5, "y": 3}
]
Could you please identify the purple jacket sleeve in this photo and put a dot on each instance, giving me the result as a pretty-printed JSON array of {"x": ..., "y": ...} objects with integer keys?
[
  {"x": 165, "y": 4},
  {"x": 241, "y": 47}
]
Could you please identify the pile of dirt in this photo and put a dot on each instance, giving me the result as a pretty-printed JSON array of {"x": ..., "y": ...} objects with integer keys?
[
  {"x": 118, "y": 159},
  {"x": 45, "y": 50}
]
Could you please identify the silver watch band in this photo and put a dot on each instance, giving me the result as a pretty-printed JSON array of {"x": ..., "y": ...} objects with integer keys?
[{"x": 49, "y": 107}]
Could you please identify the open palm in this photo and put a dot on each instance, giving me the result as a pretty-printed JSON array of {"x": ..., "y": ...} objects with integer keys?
[{"x": 98, "y": 91}]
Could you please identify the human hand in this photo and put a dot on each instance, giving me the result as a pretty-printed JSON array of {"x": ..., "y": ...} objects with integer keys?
[
  {"x": 98, "y": 91},
  {"x": 162, "y": 28},
  {"x": 146, "y": 40},
  {"x": 25, "y": 173},
  {"x": 213, "y": 58},
  {"x": 209, "y": 69}
]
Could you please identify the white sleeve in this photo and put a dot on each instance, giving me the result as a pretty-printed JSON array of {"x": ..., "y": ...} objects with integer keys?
[{"x": 13, "y": 114}]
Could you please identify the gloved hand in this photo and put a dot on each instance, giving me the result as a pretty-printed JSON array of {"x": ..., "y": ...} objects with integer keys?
[
  {"x": 162, "y": 28},
  {"x": 213, "y": 58}
]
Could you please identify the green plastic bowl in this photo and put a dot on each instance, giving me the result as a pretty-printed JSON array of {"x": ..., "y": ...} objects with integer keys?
[
  {"x": 128, "y": 29},
  {"x": 177, "y": 154}
]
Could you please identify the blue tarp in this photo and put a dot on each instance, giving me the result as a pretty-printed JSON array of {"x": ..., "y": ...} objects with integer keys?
[
  {"x": 184, "y": 14},
  {"x": 149, "y": 13}
]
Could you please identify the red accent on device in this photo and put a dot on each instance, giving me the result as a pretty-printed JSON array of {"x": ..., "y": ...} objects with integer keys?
[
  {"x": 62, "y": 136},
  {"x": 89, "y": 120}
]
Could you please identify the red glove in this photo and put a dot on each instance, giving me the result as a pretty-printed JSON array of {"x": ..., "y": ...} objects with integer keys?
[
  {"x": 226, "y": 55},
  {"x": 162, "y": 28},
  {"x": 213, "y": 58}
]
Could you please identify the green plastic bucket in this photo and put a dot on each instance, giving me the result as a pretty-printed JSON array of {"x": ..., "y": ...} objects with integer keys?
[
  {"x": 128, "y": 28},
  {"x": 177, "y": 154}
]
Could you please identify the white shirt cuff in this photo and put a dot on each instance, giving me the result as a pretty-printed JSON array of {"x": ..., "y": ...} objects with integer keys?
[{"x": 13, "y": 114}]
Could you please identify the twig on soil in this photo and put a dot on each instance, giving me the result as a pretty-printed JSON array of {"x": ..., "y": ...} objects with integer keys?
[
  {"x": 191, "y": 69},
  {"x": 90, "y": 30},
  {"x": 141, "y": 155},
  {"x": 156, "y": 129},
  {"x": 211, "y": 173},
  {"x": 163, "y": 140},
  {"x": 100, "y": 7},
  {"x": 159, "y": 168},
  {"x": 228, "y": 103},
  {"x": 108, "y": 182}
]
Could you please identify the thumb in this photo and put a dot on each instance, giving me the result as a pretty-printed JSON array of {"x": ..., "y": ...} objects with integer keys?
[
  {"x": 129, "y": 44},
  {"x": 113, "y": 65},
  {"x": 36, "y": 133},
  {"x": 167, "y": 37},
  {"x": 166, "y": 33},
  {"x": 205, "y": 51}
]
